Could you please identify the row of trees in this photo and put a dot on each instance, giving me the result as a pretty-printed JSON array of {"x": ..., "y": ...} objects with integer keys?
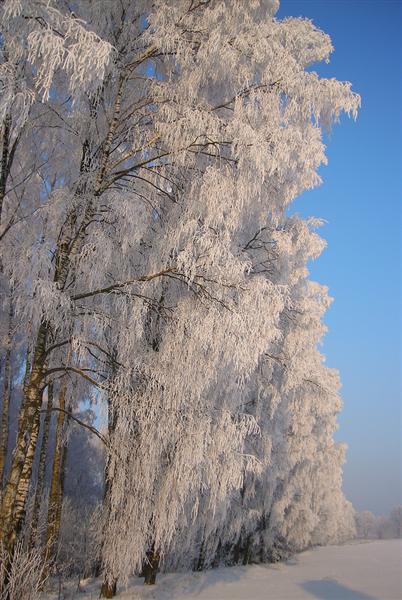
[
  {"x": 369, "y": 526},
  {"x": 159, "y": 329}
]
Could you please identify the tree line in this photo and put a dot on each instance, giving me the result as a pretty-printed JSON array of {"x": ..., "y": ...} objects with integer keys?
[{"x": 164, "y": 401}]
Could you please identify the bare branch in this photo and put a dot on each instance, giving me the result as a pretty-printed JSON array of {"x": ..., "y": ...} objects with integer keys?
[{"x": 81, "y": 423}]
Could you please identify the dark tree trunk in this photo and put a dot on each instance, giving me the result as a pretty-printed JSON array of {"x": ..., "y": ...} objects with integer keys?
[
  {"x": 5, "y": 415},
  {"x": 108, "y": 589},
  {"x": 217, "y": 557},
  {"x": 262, "y": 545},
  {"x": 237, "y": 550},
  {"x": 151, "y": 566},
  {"x": 42, "y": 466},
  {"x": 247, "y": 551},
  {"x": 109, "y": 585},
  {"x": 5, "y": 163},
  {"x": 201, "y": 556},
  {"x": 57, "y": 481}
]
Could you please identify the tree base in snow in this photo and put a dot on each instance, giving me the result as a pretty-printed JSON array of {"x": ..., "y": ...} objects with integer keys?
[
  {"x": 108, "y": 590},
  {"x": 151, "y": 568}
]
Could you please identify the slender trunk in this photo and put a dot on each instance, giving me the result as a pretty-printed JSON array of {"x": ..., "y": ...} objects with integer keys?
[
  {"x": 247, "y": 551},
  {"x": 42, "y": 466},
  {"x": 151, "y": 567},
  {"x": 201, "y": 556},
  {"x": 4, "y": 166},
  {"x": 5, "y": 415},
  {"x": 109, "y": 585},
  {"x": 57, "y": 483},
  {"x": 27, "y": 378},
  {"x": 59, "y": 506},
  {"x": 107, "y": 147},
  {"x": 27, "y": 370},
  {"x": 217, "y": 558},
  {"x": 237, "y": 550},
  {"x": 108, "y": 589},
  {"x": 262, "y": 530}
]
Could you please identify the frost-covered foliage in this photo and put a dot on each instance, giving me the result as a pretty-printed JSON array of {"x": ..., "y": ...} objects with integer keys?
[
  {"x": 368, "y": 526},
  {"x": 79, "y": 544},
  {"x": 153, "y": 271},
  {"x": 25, "y": 577},
  {"x": 296, "y": 501}
]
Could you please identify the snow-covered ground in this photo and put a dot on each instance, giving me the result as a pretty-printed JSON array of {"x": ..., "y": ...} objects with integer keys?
[{"x": 360, "y": 570}]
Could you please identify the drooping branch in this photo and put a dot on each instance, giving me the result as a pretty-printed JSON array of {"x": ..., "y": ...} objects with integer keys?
[
  {"x": 117, "y": 286},
  {"x": 81, "y": 423},
  {"x": 78, "y": 372}
]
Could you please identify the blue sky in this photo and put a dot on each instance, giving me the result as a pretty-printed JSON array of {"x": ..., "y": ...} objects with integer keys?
[{"x": 361, "y": 200}]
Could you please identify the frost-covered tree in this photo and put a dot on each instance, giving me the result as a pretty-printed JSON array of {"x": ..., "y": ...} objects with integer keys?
[
  {"x": 395, "y": 520},
  {"x": 150, "y": 151},
  {"x": 296, "y": 499},
  {"x": 367, "y": 525}
]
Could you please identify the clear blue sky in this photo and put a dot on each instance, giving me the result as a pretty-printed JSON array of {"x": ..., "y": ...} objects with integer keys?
[{"x": 361, "y": 200}]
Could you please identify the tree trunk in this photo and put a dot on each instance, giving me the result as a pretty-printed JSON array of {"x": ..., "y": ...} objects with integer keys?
[
  {"x": 5, "y": 415},
  {"x": 25, "y": 479},
  {"x": 27, "y": 372},
  {"x": 59, "y": 506},
  {"x": 109, "y": 585},
  {"x": 151, "y": 566},
  {"x": 237, "y": 551},
  {"x": 14, "y": 498},
  {"x": 262, "y": 545},
  {"x": 247, "y": 551},
  {"x": 42, "y": 466},
  {"x": 57, "y": 483},
  {"x": 5, "y": 165},
  {"x": 201, "y": 556},
  {"x": 217, "y": 558},
  {"x": 108, "y": 589}
]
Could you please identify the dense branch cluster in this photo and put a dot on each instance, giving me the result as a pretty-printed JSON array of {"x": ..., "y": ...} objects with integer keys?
[{"x": 156, "y": 308}]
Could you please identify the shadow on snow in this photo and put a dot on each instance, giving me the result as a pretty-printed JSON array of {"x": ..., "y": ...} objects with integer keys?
[{"x": 330, "y": 589}]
